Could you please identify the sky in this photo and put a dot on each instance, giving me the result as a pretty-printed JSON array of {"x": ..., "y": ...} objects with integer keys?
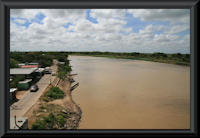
[{"x": 112, "y": 30}]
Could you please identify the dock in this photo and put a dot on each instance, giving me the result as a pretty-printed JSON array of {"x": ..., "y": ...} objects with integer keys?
[{"x": 73, "y": 87}]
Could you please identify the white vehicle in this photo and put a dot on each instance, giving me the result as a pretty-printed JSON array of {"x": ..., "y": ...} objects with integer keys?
[
  {"x": 53, "y": 73},
  {"x": 47, "y": 70}
]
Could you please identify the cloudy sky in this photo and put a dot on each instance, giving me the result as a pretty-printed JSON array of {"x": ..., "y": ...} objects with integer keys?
[{"x": 113, "y": 30}]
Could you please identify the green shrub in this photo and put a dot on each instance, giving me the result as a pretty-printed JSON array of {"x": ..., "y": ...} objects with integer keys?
[
  {"x": 42, "y": 107},
  {"x": 38, "y": 125},
  {"x": 61, "y": 120},
  {"x": 47, "y": 122},
  {"x": 46, "y": 100},
  {"x": 55, "y": 93},
  {"x": 16, "y": 79}
]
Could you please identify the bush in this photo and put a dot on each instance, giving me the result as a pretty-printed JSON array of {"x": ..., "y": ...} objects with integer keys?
[
  {"x": 55, "y": 93},
  {"x": 61, "y": 120},
  {"x": 63, "y": 70},
  {"x": 14, "y": 82},
  {"x": 47, "y": 122},
  {"x": 46, "y": 100},
  {"x": 38, "y": 125}
]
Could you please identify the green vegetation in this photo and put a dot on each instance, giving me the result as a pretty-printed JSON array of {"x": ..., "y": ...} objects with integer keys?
[
  {"x": 46, "y": 122},
  {"x": 49, "y": 115},
  {"x": 54, "y": 120},
  {"x": 13, "y": 63},
  {"x": 54, "y": 93},
  {"x": 63, "y": 70},
  {"x": 43, "y": 58},
  {"x": 15, "y": 80}
]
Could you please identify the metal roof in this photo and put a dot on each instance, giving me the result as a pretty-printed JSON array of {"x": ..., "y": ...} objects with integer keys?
[
  {"x": 30, "y": 66},
  {"x": 25, "y": 81},
  {"x": 39, "y": 70},
  {"x": 21, "y": 71},
  {"x": 13, "y": 89},
  {"x": 33, "y": 63}
]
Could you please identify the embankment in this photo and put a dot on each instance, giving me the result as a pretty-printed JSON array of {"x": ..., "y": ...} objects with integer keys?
[{"x": 65, "y": 112}]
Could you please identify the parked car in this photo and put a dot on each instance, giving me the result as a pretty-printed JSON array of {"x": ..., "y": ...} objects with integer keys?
[
  {"x": 53, "y": 73},
  {"x": 34, "y": 88},
  {"x": 47, "y": 70}
]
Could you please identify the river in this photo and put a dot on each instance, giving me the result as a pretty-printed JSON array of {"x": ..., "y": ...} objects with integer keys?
[{"x": 131, "y": 94}]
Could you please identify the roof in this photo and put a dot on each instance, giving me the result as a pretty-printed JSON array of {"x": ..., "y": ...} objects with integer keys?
[
  {"x": 39, "y": 70},
  {"x": 13, "y": 89},
  {"x": 20, "y": 121},
  {"x": 61, "y": 62},
  {"x": 20, "y": 64},
  {"x": 30, "y": 66},
  {"x": 21, "y": 71},
  {"x": 25, "y": 81},
  {"x": 33, "y": 63}
]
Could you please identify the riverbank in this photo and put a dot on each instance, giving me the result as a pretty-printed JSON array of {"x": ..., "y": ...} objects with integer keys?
[
  {"x": 160, "y": 60},
  {"x": 65, "y": 112}
]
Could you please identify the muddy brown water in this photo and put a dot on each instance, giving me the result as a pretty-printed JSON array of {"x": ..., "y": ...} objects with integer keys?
[{"x": 131, "y": 94}]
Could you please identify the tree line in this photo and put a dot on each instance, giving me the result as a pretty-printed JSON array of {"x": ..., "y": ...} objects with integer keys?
[
  {"x": 42, "y": 58},
  {"x": 137, "y": 55}
]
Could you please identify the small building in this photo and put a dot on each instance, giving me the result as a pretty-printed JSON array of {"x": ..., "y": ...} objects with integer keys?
[
  {"x": 28, "y": 72},
  {"x": 21, "y": 122},
  {"x": 33, "y": 63},
  {"x": 21, "y": 71},
  {"x": 31, "y": 66},
  {"x": 40, "y": 72},
  {"x": 13, "y": 94},
  {"x": 63, "y": 63},
  {"x": 24, "y": 85},
  {"x": 21, "y": 64}
]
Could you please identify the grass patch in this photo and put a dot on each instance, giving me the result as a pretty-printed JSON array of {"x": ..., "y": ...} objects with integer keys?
[
  {"x": 53, "y": 120},
  {"x": 46, "y": 122},
  {"x": 53, "y": 93},
  {"x": 45, "y": 99}
]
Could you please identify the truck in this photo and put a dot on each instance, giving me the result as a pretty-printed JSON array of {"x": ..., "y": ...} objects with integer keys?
[{"x": 47, "y": 70}]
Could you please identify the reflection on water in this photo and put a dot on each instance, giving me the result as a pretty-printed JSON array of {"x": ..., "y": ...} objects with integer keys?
[{"x": 131, "y": 94}]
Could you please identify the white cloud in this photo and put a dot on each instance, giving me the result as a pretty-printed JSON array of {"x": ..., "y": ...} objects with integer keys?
[
  {"x": 162, "y": 37},
  {"x": 20, "y": 21},
  {"x": 172, "y": 15},
  {"x": 108, "y": 13},
  {"x": 24, "y": 13},
  {"x": 176, "y": 29},
  {"x": 111, "y": 33}
]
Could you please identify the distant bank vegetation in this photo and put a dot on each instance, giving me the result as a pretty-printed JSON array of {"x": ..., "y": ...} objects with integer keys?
[
  {"x": 43, "y": 58},
  {"x": 46, "y": 58},
  {"x": 176, "y": 58}
]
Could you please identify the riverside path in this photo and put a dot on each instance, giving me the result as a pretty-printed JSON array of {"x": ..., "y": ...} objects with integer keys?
[{"x": 30, "y": 98}]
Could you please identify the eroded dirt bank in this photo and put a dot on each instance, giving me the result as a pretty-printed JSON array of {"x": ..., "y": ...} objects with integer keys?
[{"x": 65, "y": 106}]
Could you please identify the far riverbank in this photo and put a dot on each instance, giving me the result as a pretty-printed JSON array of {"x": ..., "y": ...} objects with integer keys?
[{"x": 168, "y": 60}]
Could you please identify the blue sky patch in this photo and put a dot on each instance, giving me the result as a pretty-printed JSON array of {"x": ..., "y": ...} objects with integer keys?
[
  {"x": 183, "y": 33},
  {"x": 93, "y": 20},
  {"x": 158, "y": 32},
  {"x": 67, "y": 25}
]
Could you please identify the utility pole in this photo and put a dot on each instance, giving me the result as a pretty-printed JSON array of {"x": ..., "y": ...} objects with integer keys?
[{"x": 50, "y": 78}]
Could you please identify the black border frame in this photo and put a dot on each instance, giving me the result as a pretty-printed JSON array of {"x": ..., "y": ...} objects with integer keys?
[{"x": 6, "y": 5}]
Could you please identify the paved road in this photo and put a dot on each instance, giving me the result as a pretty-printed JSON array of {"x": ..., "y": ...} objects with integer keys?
[{"x": 30, "y": 98}]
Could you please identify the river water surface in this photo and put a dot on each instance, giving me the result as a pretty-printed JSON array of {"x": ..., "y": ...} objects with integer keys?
[{"x": 131, "y": 94}]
